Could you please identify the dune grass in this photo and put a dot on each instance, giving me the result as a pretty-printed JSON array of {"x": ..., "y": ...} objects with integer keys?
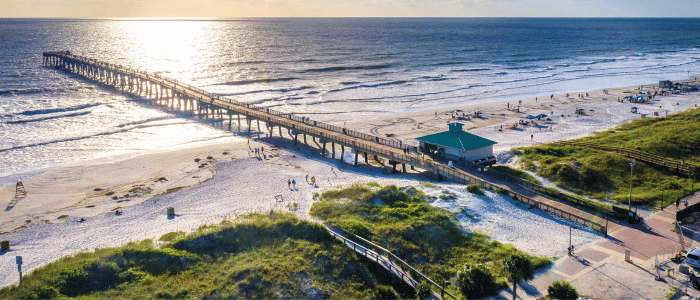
[
  {"x": 606, "y": 175},
  {"x": 676, "y": 136},
  {"x": 517, "y": 173},
  {"x": 424, "y": 236},
  {"x": 259, "y": 258}
]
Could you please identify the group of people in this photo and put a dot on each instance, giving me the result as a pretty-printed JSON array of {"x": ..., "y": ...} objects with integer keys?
[{"x": 260, "y": 151}]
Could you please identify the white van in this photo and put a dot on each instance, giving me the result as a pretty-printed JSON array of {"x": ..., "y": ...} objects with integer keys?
[{"x": 693, "y": 258}]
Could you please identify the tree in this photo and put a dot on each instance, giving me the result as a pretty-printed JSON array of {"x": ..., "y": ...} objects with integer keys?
[
  {"x": 562, "y": 290},
  {"x": 518, "y": 267},
  {"x": 476, "y": 281}
]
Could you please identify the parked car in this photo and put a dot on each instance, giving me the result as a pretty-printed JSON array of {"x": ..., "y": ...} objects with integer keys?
[{"x": 693, "y": 258}]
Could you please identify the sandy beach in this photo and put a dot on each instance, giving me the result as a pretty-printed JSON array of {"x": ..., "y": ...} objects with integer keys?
[
  {"x": 602, "y": 112},
  {"x": 72, "y": 209}
]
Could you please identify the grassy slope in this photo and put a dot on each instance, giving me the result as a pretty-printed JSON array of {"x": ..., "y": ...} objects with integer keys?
[
  {"x": 517, "y": 173},
  {"x": 605, "y": 175},
  {"x": 285, "y": 258},
  {"x": 677, "y": 136},
  {"x": 404, "y": 223}
]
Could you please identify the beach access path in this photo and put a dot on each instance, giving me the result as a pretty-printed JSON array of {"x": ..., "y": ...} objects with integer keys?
[{"x": 599, "y": 271}]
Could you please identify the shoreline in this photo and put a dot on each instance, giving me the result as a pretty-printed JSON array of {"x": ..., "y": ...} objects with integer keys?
[
  {"x": 80, "y": 189},
  {"x": 65, "y": 208},
  {"x": 248, "y": 184},
  {"x": 606, "y": 110}
]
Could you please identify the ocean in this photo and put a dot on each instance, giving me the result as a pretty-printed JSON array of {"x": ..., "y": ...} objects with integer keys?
[{"x": 332, "y": 70}]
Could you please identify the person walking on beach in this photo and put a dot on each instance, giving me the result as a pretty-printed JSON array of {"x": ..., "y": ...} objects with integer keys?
[
  {"x": 262, "y": 149},
  {"x": 289, "y": 183},
  {"x": 307, "y": 178},
  {"x": 294, "y": 183},
  {"x": 532, "y": 136}
]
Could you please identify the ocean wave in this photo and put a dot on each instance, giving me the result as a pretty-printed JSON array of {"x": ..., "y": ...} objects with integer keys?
[
  {"x": 448, "y": 63},
  {"x": 471, "y": 70},
  {"x": 502, "y": 73},
  {"x": 370, "y": 85},
  {"x": 144, "y": 121},
  {"x": 349, "y": 82},
  {"x": 48, "y": 118},
  {"x": 347, "y": 68},
  {"x": 21, "y": 91},
  {"x": 107, "y": 133},
  {"x": 518, "y": 68},
  {"x": 57, "y": 110},
  {"x": 305, "y": 87},
  {"x": 525, "y": 79},
  {"x": 260, "y": 80}
]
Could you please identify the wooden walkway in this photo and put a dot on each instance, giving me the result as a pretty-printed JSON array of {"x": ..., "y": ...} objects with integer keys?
[
  {"x": 386, "y": 262},
  {"x": 174, "y": 95}
]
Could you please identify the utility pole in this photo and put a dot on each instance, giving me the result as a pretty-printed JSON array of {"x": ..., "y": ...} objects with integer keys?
[
  {"x": 631, "y": 174},
  {"x": 570, "y": 247}
]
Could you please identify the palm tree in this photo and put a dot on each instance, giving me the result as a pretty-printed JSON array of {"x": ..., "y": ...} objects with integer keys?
[{"x": 518, "y": 267}]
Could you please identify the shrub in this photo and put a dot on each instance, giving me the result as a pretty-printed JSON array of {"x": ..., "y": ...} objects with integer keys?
[
  {"x": 502, "y": 191},
  {"x": 355, "y": 226},
  {"x": 475, "y": 189},
  {"x": 561, "y": 290},
  {"x": 373, "y": 184},
  {"x": 447, "y": 197},
  {"x": 476, "y": 281},
  {"x": 428, "y": 184},
  {"x": 384, "y": 292},
  {"x": 423, "y": 291}
]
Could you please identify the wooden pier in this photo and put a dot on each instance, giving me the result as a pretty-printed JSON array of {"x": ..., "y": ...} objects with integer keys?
[{"x": 173, "y": 95}]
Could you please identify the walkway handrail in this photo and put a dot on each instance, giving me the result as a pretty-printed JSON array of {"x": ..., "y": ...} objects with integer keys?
[
  {"x": 400, "y": 260},
  {"x": 679, "y": 166},
  {"x": 362, "y": 142}
]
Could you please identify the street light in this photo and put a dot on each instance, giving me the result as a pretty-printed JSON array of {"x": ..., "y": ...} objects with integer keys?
[{"x": 631, "y": 173}]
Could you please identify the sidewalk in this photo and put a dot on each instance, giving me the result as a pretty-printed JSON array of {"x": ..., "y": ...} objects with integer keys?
[{"x": 599, "y": 271}]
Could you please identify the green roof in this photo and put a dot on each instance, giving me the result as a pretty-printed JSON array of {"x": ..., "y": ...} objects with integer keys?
[{"x": 460, "y": 140}]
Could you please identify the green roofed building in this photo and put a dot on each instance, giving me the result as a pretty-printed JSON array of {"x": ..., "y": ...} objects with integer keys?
[{"x": 459, "y": 145}]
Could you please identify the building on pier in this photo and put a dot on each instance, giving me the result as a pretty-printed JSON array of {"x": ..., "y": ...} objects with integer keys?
[{"x": 459, "y": 145}]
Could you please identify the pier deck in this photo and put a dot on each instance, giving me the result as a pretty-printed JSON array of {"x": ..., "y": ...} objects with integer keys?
[{"x": 174, "y": 95}]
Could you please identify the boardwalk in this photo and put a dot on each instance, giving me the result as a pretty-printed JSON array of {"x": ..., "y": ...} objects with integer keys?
[
  {"x": 174, "y": 95},
  {"x": 386, "y": 262}
]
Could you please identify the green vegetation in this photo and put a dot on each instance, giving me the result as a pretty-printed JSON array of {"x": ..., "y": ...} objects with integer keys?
[
  {"x": 424, "y": 236},
  {"x": 477, "y": 281},
  {"x": 373, "y": 184},
  {"x": 502, "y": 191},
  {"x": 171, "y": 236},
  {"x": 562, "y": 290},
  {"x": 258, "y": 258},
  {"x": 518, "y": 267},
  {"x": 676, "y": 136},
  {"x": 517, "y": 173},
  {"x": 428, "y": 184},
  {"x": 423, "y": 291},
  {"x": 447, "y": 195},
  {"x": 475, "y": 189},
  {"x": 604, "y": 175}
]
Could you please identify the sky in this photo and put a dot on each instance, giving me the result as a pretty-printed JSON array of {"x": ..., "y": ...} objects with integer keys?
[{"x": 345, "y": 8}]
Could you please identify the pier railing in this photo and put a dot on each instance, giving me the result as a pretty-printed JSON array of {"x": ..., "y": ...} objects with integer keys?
[
  {"x": 291, "y": 116},
  {"x": 359, "y": 142}
]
